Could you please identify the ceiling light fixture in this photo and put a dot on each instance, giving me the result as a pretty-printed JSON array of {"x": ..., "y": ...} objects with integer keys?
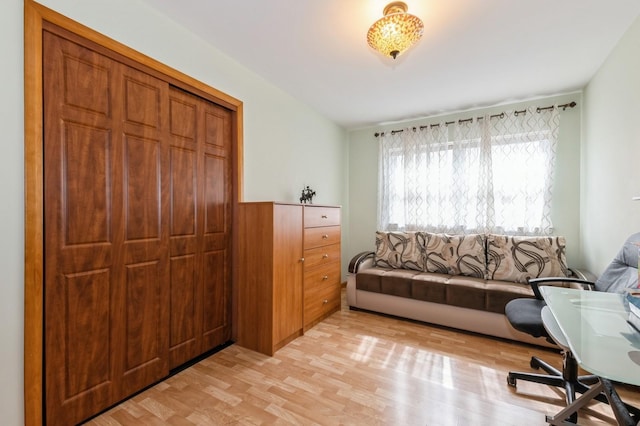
[{"x": 396, "y": 31}]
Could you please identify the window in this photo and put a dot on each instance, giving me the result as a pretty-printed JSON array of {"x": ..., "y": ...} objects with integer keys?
[{"x": 481, "y": 175}]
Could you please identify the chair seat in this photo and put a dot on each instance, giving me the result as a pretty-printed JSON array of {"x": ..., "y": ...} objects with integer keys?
[{"x": 525, "y": 315}]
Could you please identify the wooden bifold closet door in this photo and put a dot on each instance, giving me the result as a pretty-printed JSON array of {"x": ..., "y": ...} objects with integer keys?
[{"x": 137, "y": 186}]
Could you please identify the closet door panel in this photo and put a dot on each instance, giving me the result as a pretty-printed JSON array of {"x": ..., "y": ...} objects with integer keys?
[
  {"x": 86, "y": 191},
  {"x": 142, "y": 183},
  {"x": 142, "y": 310},
  {"x": 143, "y": 101},
  {"x": 216, "y": 200},
  {"x": 185, "y": 261},
  {"x": 86, "y": 78},
  {"x": 183, "y": 165},
  {"x": 182, "y": 342},
  {"x": 183, "y": 115},
  {"x": 87, "y": 341},
  {"x": 183, "y": 192},
  {"x": 202, "y": 178},
  {"x": 186, "y": 258},
  {"x": 215, "y": 127},
  {"x": 80, "y": 155},
  {"x": 215, "y": 316},
  {"x": 143, "y": 287}
]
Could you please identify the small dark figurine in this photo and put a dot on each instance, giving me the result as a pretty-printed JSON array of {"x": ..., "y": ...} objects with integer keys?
[{"x": 307, "y": 195}]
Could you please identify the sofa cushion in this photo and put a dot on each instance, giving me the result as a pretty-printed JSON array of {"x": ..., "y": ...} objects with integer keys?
[
  {"x": 456, "y": 254},
  {"x": 397, "y": 282},
  {"x": 400, "y": 250},
  {"x": 499, "y": 294},
  {"x": 467, "y": 292},
  {"x": 515, "y": 258},
  {"x": 430, "y": 287},
  {"x": 369, "y": 279}
]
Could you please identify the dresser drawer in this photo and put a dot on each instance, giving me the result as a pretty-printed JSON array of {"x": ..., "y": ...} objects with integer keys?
[
  {"x": 322, "y": 276},
  {"x": 318, "y": 237},
  {"x": 320, "y": 303},
  {"x": 321, "y": 255},
  {"x": 321, "y": 216}
]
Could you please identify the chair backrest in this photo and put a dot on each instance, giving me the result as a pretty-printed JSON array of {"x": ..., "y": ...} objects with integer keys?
[{"x": 622, "y": 272}]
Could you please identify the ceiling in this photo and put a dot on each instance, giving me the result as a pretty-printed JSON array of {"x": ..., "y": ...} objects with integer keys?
[{"x": 474, "y": 53}]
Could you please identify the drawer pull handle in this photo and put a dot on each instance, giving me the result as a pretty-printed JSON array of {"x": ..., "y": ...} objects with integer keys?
[
  {"x": 302, "y": 259},
  {"x": 325, "y": 256},
  {"x": 324, "y": 216},
  {"x": 325, "y": 301},
  {"x": 325, "y": 236},
  {"x": 326, "y": 277}
]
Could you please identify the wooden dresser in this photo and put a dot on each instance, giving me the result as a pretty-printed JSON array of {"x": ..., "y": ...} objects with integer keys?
[
  {"x": 321, "y": 263},
  {"x": 288, "y": 271}
]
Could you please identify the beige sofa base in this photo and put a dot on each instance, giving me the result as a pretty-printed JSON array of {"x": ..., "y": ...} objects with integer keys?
[{"x": 483, "y": 322}]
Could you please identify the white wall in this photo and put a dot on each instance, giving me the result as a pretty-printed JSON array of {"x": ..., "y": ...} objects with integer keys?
[
  {"x": 363, "y": 174},
  {"x": 11, "y": 213},
  {"x": 611, "y": 153}
]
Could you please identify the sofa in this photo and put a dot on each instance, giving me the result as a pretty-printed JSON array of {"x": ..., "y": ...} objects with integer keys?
[{"x": 459, "y": 281}]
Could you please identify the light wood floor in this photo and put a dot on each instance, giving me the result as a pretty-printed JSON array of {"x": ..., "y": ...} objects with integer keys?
[{"x": 357, "y": 368}]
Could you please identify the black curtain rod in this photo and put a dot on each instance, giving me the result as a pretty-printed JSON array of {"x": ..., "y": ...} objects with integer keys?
[{"x": 501, "y": 115}]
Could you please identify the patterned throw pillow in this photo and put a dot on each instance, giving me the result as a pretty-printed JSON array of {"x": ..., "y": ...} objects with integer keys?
[
  {"x": 400, "y": 250},
  {"x": 513, "y": 258},
  {"x": 456, "y": 254}
]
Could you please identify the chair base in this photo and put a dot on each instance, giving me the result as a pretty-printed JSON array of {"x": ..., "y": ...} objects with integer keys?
[{"x": 567, "y": 379}]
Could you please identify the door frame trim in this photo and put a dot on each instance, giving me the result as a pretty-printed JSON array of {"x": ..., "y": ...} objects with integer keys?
[{"x": 34, "y": 17}]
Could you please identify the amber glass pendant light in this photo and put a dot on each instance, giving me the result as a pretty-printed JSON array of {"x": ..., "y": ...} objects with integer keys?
[{"x": 396, "y": 31}]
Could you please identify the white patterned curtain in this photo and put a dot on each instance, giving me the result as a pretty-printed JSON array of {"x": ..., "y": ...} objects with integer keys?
[{"x": 480, "y": 175}]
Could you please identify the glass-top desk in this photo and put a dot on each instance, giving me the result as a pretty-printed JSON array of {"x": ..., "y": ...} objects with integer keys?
[{"x": 598, "y": 335}]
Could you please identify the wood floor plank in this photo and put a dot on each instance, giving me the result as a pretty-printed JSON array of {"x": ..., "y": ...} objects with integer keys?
[{"x": 358, "y": 368}]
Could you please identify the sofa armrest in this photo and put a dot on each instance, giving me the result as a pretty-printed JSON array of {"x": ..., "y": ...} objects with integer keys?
[
  {"x": 535, "y": 284},
  {"x": 583, "y": 274},
  {"x": 358, "y": 260}
]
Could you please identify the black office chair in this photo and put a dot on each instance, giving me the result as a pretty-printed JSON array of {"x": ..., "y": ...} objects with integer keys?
[{"x": 526, "y": 315}]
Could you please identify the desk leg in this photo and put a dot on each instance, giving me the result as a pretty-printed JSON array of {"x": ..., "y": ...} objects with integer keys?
[
  {"x": 559, "y": 419},
  {"x": 623, "y": 416}
]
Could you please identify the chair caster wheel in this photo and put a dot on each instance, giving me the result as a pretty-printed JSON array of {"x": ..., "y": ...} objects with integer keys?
[{"x": 511, "y": 381}]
